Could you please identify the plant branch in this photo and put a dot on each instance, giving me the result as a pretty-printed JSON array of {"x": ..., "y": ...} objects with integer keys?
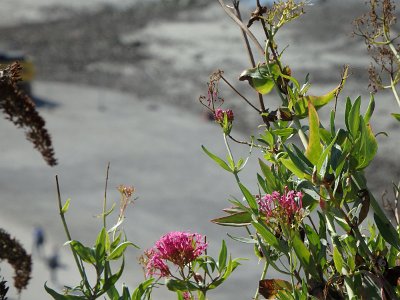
[
  {"x": 242, "y": 26},
  {"x": 78, "y": 262},
  {"x": 237, "y": 92}
]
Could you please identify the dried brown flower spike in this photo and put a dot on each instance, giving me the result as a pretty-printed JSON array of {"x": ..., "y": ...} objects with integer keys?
[
  {"x": 12, "y": 251},
  {"x": 20, "y": 109}
]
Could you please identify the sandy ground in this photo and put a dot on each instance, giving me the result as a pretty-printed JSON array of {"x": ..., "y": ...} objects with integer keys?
[{"x": 152, "y": 131}]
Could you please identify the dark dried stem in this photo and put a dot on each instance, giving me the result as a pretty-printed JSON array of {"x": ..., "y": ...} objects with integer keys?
[
  {"x": 237, "y": 92},
  {"x": 242, "y": 26},
  {"x": 251, "y": 56}
]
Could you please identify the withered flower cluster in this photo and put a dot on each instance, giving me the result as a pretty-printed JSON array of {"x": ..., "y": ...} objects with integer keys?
[
  {"x": 21, "y": 110},
  {"x": 12, "y": 251},
  {"x": 376, "y": 27},
  {"x": 3, "y": 289}
]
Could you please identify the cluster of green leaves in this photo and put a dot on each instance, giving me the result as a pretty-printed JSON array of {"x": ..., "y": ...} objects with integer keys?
[
  {"x": 110, "y": 245},
  {"x": 338, "y": 258}
]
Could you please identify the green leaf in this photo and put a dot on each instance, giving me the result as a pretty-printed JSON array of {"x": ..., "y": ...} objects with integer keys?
[
  {"x": 304, "y": 256},
  {"x": 284, "y": 133},
  {"x": 223, "y": 254},
  {"x": 218, "y": 160},
  {"x": 288, "y": 163},
  {"x": 58, "y": 296},
  {"x": 314, "y": 148},
  {"x": 270, "y": 238},
  {"x": 113, "y": 294},
  {"x": 300, "y": 106},
  {"x": 175, "y": 285},
  {"x": 243, "y": 240},
  {"x": 125, "y": 293},
  {"x": 85, "y": 253},
  {"x": 369, "y": 146},
  {"x": 326, "y": 152},
  {"x": 100, "y": 245},
  {"x": 370, "y": 109},
  {"x": 269, "y": 177},
  {"x": 142, "y": 288},
  {"x": 396, "y": 116},
  {"x": 249, "y": 198},
  {"x": 268, "y": 138},
  {"x": 313, "y": 238},
  {"x": 354, "y": 118},
  {"x": 119, "y": 250},
  {"x": 263, "y": 184},
  {"x": 116, "y": 241},
  {"x": 332, "y": 122},
  {"x": 320, "y": 101},
  {"x": 262, "y": 78},
  {"x": 300, "y": 160},
  {"x": 234, "y": 220},
  {"x": 65, "y": 207},
  {"x": 387, "y": 231},
  {"x": 338, "y": 261},
  {"x": 110, "y": 281}
]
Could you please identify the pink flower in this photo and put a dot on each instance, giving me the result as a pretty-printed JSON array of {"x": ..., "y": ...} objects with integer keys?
[
  {"x": 187, "y": 296},
  {"x": 286, "y": 208},
  {"x": 179, "y": 248},
  {"x": 219, "y": 115},
  {"x": 155, "y": 265}
]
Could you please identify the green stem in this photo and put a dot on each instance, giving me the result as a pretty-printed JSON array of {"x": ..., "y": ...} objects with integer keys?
[
  {"x": 104, "y": 218},
  {"x": 231, "y": 157},
  {"x": 105, "y": 197},
  {"x": 264, "y": 272},
  {"x": 392, "y": 47},
  {"x": 302, "y": 135},
  {"x": 78, "y": 262},
  {"x": 292, "y": 269},
  {"x": 393, "y": 87}
]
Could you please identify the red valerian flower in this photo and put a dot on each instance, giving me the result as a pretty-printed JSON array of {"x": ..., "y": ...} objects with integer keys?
[
  {"x": 219, "y": 115},
  {"x": 283, "y": 209},
  {"x": 179, "y": 248}
]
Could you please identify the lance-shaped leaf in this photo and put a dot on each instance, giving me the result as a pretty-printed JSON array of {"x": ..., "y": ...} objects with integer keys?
[
  {"x": 304, "y": 256},
  {"x": 262, "y": 78},
  {"x": 142, "y": 288},
  {"x": 290, "y": 165},
  {"x": 270, "y": 238},
  {"x": 320, "y": 101},
  {"x": 180, "y": 285},
  {"x": 387, "y": 231},
  {"x": 300, "y": 106},
  {"x": 396, "y": 116},
  {"x": 314, "y": 148},
  {"x": 235, "y": 220},
  {"x": 218, "y": 160},
  {"x": 249, "y": 198},
  {"x": 85, "y": 253},
  {"x": 369, "y": 146},
  {"x": 58, "y": 296},
  {"x": 370, "y": 109},
  {"x": 354, "y": 118},
  {"x": 119, "y": 250}
]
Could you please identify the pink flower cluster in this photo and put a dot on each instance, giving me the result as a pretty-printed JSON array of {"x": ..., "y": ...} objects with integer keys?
[
  {"x": 179, "y": 248},
  {"x": 219, "y": 115},
  {"x": 286, "y": 207}
]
